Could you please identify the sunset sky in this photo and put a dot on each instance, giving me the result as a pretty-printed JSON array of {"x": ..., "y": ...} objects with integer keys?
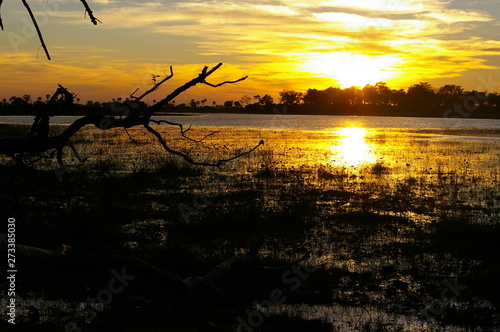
[{"x": 279, "y": 44}]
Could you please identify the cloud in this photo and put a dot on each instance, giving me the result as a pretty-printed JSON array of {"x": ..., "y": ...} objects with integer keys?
[{"x": 287, "y": 42}]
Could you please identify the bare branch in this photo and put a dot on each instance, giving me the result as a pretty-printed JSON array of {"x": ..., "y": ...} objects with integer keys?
[
  {"x": 75, "y": 153},
  {"x": 200, "y": 79},
  {"x": 41, "y": 123},
  {"x": 169, "y": 149},
  {"x": 35, "y": 145},
  {"x": 37, "y": 28},
  {"x": 132, "y": 94},
  {"x": 131, "y": 138},
  {"x": 100, "y": 121},
  {"x": 89, "y": 11},
  {"x": 189, "y": 159},
  {"x": 222, "y": 161},
  {"x": 1, "y": 23},
  {"x": 226, "y": 82},
  {"x": 211, "y": 71},
  {"x": 184, "y": 131},
  {"x": 156, "y": 86},
  {"x": 41, "y": 143}
]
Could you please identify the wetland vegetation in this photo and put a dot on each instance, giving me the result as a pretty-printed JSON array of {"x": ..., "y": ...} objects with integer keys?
[{"x": 402, "y": 227}]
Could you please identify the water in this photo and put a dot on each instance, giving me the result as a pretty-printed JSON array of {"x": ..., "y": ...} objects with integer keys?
[
  {"x": 324, "y": 179},
  {"x": 298, "y": 122}
]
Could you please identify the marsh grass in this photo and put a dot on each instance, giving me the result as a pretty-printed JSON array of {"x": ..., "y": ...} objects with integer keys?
[{"x": 422, "y": 211}]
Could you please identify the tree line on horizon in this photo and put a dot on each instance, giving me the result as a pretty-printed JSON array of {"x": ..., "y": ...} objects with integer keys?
[
  {"x": 420, "y": 98},
  {"x": 417, "y": 95}
]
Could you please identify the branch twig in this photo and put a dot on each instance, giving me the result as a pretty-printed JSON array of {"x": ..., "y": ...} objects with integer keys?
[
  {"x": 226, "y": 82},
  {"x": 189, "y": 159},
  {"x": 200, "y": 79},
  {"x": 37, "y": 28},
  {"x": 93, "y": 19},
  {"x": 184, "y": 131},
  {"x": 1, "y": 23},
  {"x": 156, "y": 86},
  {"x": 131, "y": 138},
  {"x": 34, "y": 145}
]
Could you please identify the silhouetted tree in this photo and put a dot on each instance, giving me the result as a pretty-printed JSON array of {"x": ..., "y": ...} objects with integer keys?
[
  {"x": 334, "y": 96},
  {"x": 482, "y": 96},
  {"x": 494, "y": 99},
  {"x": 245, "y": 100},
  {"x": 353, "y": 96},
  {"x": 398, "y": 97},
  {"x": 27, "y": 99},
  {"x": 449, "y": 95},
  {"x": 264, "y": 100},
  {"x": 422, "y": 94},
  {"x": 369, "y": 94},
  {"x": 18, "y": 102},
  {"x": 291, "y": 97},
  {"x": 382, "y": 94},
  {"x": 315, "y": 97}
]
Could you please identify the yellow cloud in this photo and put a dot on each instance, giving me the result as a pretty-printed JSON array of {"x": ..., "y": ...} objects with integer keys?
[{"x": 292, "y": 44}]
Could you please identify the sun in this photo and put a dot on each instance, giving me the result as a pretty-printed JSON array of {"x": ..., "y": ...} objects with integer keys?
[{"x": 352, "y": 69}]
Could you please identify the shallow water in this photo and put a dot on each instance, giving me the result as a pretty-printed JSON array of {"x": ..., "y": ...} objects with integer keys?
[
  {"x": 298, "y": 122},
  {"x": 403, "y": 180}
]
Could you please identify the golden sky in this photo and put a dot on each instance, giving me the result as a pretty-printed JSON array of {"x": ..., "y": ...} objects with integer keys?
[{"x": 279, "y": 44}]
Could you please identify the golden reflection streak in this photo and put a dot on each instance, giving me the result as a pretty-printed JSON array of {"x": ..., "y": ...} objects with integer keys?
[{"x": 352, "y": 149}]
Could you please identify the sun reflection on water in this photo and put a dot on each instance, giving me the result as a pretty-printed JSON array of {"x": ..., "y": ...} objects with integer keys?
[{"x": 352, "y": 148}]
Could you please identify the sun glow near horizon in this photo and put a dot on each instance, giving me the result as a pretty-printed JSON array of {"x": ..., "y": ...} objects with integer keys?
[
  {"x": 353, "y": 69},
  {"x": 280, "y": 45}
]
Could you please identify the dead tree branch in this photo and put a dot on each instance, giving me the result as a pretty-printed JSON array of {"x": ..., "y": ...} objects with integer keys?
[
  {"x": 226, "y": 82},
  {"x": 42, "y": 142},
  {"x": 93, "y": 19},
  {"x": 1, "y": 23},
  {"x": 61, "y": 97},
  {"x": 37, "y": 28},
  {"x": 184, "y": 131},
  {"x": 218, "y": 163},
  {"x": 200, "y": 79},
  {"x": 154, "y": 88}
]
